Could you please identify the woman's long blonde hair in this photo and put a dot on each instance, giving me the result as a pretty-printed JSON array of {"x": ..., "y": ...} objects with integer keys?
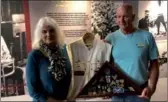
[{"x": 38, "y": 31}]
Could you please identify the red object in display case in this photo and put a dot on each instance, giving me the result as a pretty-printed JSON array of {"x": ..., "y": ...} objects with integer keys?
[{"x": 109, "y": 81}]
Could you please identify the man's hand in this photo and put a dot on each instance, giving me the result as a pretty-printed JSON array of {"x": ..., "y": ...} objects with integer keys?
[{"x": 147, "y": 92}]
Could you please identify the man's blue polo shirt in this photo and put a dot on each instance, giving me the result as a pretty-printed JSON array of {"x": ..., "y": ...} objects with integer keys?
[{"x": 132, "y": 52}]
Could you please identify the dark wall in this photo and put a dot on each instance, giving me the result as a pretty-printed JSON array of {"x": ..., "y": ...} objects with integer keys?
[
  {"x": 9, "y": 7},
  {"x": 6, "y": 32}
]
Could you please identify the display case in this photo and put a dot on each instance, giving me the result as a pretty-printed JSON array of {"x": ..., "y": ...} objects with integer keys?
[{"x": 109, "y": 81}]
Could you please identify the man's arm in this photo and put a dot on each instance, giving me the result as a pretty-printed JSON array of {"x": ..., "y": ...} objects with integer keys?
[
  {"x": 153, "y": 68},
  {"x": 152, "y": 81},
  {"x": 153, "y": 75},
  {"x": 154, "y": 64}
]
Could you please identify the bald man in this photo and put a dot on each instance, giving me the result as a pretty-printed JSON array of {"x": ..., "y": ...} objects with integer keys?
[{"x": 132, "y": 50}]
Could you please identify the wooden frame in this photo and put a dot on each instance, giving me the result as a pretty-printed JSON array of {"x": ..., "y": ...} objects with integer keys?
[{"x": 129, "y": 88}]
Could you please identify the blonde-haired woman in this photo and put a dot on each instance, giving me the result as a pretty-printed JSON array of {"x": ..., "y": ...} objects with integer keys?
[{"x": 48, "y": 69}]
